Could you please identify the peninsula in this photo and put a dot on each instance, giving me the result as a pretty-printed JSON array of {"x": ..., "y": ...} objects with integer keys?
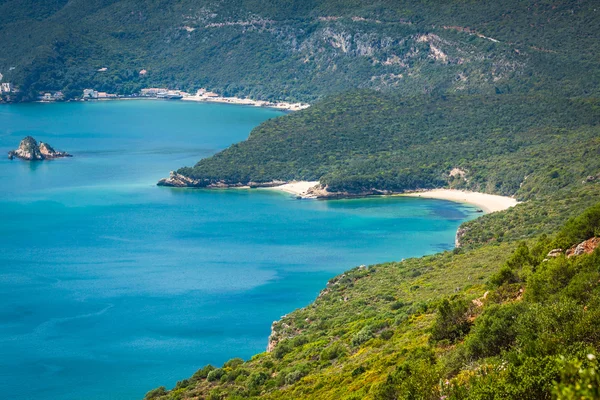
[{"x": 30, "y": 150}]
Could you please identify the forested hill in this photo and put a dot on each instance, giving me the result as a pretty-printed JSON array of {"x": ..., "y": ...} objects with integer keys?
[
  {"x": 367, "y": 142},
  {"x": 300, "y": 49}
]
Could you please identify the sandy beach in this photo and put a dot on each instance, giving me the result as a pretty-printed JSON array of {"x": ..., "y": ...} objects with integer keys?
[
  {"x": 487, "y": 202},
  {"x": 248, "y": 102},
  {"x": 298, "y": 188}
]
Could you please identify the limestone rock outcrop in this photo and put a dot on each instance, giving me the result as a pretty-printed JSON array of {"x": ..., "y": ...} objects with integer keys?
[
  {"x": 178, "y": 180},
  {"x": 585, "y": 247},
  {"x": 29, "y": 149}
]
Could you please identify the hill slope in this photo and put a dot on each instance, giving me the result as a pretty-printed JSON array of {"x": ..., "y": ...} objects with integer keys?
[
  {"x": 299, "y": 49},
  {"x": 367, "y": 142}
]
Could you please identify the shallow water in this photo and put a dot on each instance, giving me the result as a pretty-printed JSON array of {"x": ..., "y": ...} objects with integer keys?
[{"x": 112, "y": 286}]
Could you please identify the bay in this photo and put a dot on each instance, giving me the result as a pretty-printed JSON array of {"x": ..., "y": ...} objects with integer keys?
[{"x": 112, "y": 286}]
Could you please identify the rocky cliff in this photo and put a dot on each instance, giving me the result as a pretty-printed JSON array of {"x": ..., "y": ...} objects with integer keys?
[{"x": 29, "y": 149}]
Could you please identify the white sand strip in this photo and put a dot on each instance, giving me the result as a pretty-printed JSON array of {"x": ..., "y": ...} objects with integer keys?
[
  {"x": 298, "y": 188},
  {"x": 487, "y": 202}
]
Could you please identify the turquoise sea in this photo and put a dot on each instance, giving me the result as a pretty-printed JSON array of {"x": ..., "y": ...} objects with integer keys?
[{"x": 112, "y": 286}]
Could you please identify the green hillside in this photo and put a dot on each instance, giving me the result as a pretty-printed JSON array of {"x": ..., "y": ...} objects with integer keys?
[
  {"x": 366, "y": 142},
  {"x": 300, "y": 50}
]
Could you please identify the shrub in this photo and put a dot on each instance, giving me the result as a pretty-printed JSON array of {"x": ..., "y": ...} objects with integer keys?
[
  {"x": 451, "y": 321},
  {"x": 282, "y": 348},
  {"x": 397, "y": 305},
  {"x": 182, "y": 384},
  {"x": 215, "y": 375},
  {"x": 362, "y": 336},
  {"x": 257, "y": 379},
  {"x": 233, "y": 363},
  {"x": 293, "y": 377},
  {"x": 203, "y": 372},
  {"x": 156, "y": 393},
  {"x": 494, "y": 331},
  {"x": 387, "y": 334},
  {"x": 332, "y": 352},
  {"x": 504, "y": 276}
]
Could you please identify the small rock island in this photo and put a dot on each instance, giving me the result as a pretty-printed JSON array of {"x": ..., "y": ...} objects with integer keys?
[{"x": 30, "y": 150}]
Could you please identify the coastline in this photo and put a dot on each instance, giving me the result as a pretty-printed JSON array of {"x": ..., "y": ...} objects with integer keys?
[
  {"x": 487, "y": 202},
  {"x": 282, "y": 106},
  {"x": 297, "y": 188}
]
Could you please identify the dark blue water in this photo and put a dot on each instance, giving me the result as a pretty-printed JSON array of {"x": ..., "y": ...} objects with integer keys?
[{"x": 111, "y": 286}]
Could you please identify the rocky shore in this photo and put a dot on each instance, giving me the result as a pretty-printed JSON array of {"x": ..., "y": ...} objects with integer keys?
[
  {"x": 315, "y": 190},
  {"x": 30, "y": 150},
  {"x": 176, "y": 179}
]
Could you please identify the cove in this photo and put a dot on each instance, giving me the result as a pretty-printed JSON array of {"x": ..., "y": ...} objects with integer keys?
[{"x": 112, "y": 286}]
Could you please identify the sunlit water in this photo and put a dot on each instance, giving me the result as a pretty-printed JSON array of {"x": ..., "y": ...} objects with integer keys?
[{"x": 112, "y": 286}]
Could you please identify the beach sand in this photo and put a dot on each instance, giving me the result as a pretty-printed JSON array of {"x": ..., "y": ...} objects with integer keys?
[
  {"x": 298, "y": 188},
  {"x": 487, "y": 202}
]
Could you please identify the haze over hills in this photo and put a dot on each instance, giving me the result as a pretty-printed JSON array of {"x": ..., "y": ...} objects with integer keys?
[{"x": 300, "y": 50}]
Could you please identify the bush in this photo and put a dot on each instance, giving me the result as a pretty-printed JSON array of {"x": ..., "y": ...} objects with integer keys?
[
  {"x": 451, "y": 321},
  {"x": 293, "y": 377},
  {"x": 494, "y": 331},
  {"x": 332, "y": 352},
  {"x": 504, "y": 276},
  {"x": 257, "y": 379},
  {"x": 182, "y": 384},
  {"x": 362, "y": 336},
  {"x": 387, "y": 334},
  {"x": 215, "y": 375},
  {"x": 203, "y": 372},
  {"x": 233, "y": 363},
  {"x": 283, "y": 348},
  {"x": 156, "y": 393}
]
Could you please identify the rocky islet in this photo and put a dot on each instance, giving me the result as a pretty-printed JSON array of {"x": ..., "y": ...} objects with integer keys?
[{"x": 29, "y": 149}]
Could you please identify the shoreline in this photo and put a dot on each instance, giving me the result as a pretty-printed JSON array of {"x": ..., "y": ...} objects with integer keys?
[
  {"x": 297, "y": 188},
  {"x": 281, "y": 106},
  {"x": 487, "y": 202}
]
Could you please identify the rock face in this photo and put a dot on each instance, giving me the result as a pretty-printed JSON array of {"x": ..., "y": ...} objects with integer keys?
[
  {"x": 585, "y": 247},
  {"x": 178, "y": 180},
  {"x": 30, "y": 150}
]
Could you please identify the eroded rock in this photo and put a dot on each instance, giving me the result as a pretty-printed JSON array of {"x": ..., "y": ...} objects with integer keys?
[{"x": 30, "y": 150}]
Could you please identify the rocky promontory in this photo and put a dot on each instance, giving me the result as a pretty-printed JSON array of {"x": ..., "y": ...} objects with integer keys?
[
  {"x": 176, "y": 179},
  {"x": 29, "y": 149}
]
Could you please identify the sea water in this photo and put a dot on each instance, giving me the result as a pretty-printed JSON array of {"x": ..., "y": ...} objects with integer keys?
[{"x": 112, "y": 286}]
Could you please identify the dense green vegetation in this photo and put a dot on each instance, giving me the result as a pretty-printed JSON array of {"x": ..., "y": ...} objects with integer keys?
[
  {"x": 300, "y": 49},
  {"x": 366, "y": 141},
  {"x": 505, "y": 94}
]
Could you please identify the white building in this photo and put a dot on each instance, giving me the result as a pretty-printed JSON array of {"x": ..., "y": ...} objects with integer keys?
[
  {"x": 6, "y": 88},
  {"x": 90, "y": 94}
]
